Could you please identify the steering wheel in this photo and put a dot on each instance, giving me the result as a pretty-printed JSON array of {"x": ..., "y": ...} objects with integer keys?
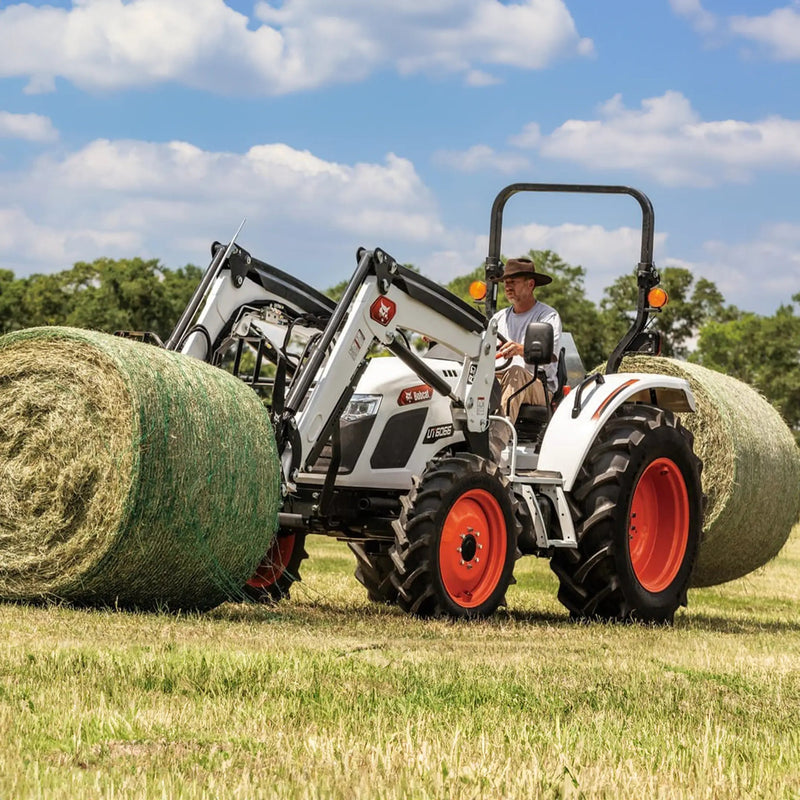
[{"x": 507, "y": 362}]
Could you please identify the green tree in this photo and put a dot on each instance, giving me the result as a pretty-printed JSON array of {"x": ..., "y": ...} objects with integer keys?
[
  {"x": 336, "y": 291},
  {"x": 106, "y": 295},
  {"x": 567, "y": 294},
  {"x": 10, "y": 299},
  {"x": 761, "y": 351},
  {"x": 42, "y": 301},
  {"x": 127, "y": 294}
]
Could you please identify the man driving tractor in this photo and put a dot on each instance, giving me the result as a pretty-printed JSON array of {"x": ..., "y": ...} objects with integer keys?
[{"x": 520, "y": 279}]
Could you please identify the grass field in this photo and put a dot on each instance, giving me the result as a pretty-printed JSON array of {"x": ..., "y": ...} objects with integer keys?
[{"x": 328, "y": 696}]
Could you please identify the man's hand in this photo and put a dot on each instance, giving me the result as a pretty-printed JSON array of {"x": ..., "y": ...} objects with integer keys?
[{"x": 510, "y": 349}]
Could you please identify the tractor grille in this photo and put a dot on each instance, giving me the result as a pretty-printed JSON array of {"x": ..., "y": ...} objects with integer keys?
[{"x": 354, "y": 435}]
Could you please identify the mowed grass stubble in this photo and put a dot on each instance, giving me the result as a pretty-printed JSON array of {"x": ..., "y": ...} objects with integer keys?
[{"x": 330, "y": 696}]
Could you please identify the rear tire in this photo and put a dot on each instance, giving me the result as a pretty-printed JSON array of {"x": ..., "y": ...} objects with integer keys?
[
  {"x": 456, "y": 540},
  {"x": 638, "y": 513},
  {"x": 279, "y": 568},
  {"x": 374, "y": 569}
]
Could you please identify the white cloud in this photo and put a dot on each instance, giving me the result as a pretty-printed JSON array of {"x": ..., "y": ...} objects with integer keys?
[
  {"x": 531, "y": 136},
  {"x": 757, "y": 275},
  {"x": 667, "y": 140},
  {"x": 117, "y": 44},
  {"x": 31, "y": 127},
  {"x": 778, "y": 32},
  {"x": 605, "y": 253},
  {"x": 701, "y": 20},
  {"x": 170, "y": 200},
  {"x": 42, "y": 246},
  {"x": 308, "y": 216},
  {"x": 481, "y": 157},
  {"x": 479, "y": 78}
]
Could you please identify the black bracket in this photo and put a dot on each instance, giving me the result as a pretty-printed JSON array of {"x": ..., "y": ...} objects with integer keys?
[
  {"x": 333, "y": 470},
  {"x": 385, "y": 269},
  {"x": 647, "y": 275},
  {"x": 239, "y": 264},
  {"x": 478, "y": 443},
  {"x": 286, "y": 433},
  {"x": 647, "y": 342}
]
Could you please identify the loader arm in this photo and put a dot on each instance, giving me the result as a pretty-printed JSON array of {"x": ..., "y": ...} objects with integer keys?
[
  {"x": 381, "y": 299},
  {"x": 235, "y": 280}
]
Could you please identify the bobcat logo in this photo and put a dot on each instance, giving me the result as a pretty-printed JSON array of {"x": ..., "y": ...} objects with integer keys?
[
  {"x": 415, "y": 394},
  {"x": 383, "y": 310}
]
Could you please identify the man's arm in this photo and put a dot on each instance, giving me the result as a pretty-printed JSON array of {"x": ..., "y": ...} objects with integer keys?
[{"x": 554, "y": 319}]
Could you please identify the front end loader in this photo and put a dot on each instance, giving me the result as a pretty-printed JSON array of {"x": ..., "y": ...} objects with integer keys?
[{"x": 386, "y": 448}]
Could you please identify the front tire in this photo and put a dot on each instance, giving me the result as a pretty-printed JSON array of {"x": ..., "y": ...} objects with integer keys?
[
  {"x": 279, "y": 568},
  {"x": 638, "y": 514},
  {"x": 374, "y": 569},
  {"x": 456, "y": 540}
]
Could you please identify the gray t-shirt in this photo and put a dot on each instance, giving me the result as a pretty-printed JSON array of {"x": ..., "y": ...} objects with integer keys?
[{"x": 513, "y": 327}]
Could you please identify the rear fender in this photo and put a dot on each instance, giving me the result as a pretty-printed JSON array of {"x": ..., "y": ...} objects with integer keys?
[{"x": 568, "y": 438}]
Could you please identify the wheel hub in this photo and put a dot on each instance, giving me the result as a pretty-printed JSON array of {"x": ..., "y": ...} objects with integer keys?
[
  {"x": 469, "y": 547},
  {"x": 658, "y": 529},
  {"x": 472, "y": 548}
]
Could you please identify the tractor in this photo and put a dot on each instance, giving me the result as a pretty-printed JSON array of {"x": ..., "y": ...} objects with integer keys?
[{"x": 386, "y": 448}]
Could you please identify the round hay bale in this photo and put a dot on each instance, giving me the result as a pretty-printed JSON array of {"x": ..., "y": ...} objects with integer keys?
[
  {"x": 751, "y": 470},
  {"x": 130, "y": 476}
]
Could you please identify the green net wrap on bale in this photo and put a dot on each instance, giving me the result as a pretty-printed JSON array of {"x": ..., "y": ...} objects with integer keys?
[
  {"x": 129, "y": 475},
  {"x": 751, "y": 470}
]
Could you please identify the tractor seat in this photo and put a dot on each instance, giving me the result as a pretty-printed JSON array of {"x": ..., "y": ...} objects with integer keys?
[{"x": 532, "y": 419}]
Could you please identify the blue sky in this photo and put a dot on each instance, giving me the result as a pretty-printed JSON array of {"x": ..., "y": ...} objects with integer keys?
[{"x": 152, "y": 127}]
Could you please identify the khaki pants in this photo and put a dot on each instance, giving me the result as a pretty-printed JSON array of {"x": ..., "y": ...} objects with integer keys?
[{"x": 511, "y": 381}]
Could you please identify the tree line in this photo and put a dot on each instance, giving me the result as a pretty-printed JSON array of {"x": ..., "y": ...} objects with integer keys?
[
  {"x": 697, "y": 324},
  {"x": 105, "y": 295}
]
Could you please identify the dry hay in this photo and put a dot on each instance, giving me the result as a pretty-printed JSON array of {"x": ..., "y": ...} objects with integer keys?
[
  {"x": 129, "y": 475},
  {"x": 751, "y": 470}
]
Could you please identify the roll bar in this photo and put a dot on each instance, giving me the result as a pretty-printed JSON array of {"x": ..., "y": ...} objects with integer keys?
[{"x": 647, "y": 275}]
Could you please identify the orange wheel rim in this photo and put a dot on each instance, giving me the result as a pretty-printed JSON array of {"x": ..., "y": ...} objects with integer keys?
[
  {"x": 659, "y": 525},
  {"x": 472, "y": 548},
  {"x": 274, "y": 563}
]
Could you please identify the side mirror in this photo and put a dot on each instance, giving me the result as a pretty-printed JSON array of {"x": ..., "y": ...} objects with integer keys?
[{"x": 538, "y": 347}]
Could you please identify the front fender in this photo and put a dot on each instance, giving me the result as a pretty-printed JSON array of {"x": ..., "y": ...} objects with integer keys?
[{"x": 568, "y": 438}]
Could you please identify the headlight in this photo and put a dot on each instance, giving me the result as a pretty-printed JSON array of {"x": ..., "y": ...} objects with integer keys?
[{"x": 361, "y": 406}]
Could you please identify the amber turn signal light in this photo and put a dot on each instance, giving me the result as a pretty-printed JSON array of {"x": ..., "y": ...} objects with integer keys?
[
  {"x": 477, "y": 290},
  {"x": 657, "y": 297}
]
